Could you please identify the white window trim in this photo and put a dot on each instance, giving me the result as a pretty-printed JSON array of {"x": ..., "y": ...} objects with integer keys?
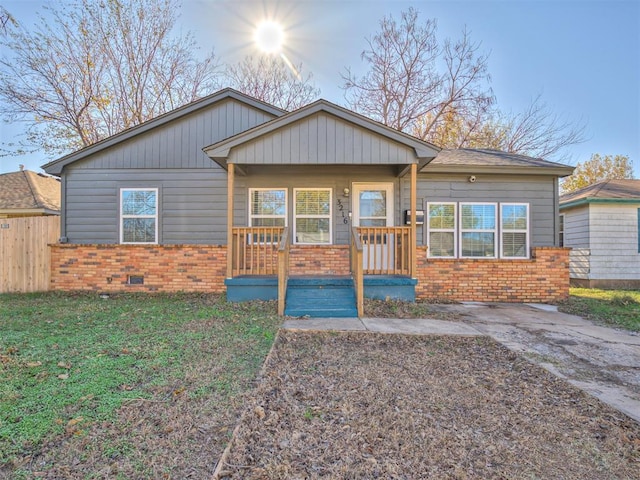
[
  {"x": 444, "y": 230},
  {"x": 286, "y": 204},
  {"x": 329, "y": 216},
  {"x": 495, "y": 230},
  {"x": 357, "y": 187},
  {"x": 122, "y": 217},
  {"x": 526, "y": 231}
]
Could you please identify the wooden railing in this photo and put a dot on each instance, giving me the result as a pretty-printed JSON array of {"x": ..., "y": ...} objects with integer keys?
[
  {"x": 356, "y": 269},
  {"x": 283, "y": 269},
  {"x": 386, "y": 250},
  {"x": 254, "y": 250}
]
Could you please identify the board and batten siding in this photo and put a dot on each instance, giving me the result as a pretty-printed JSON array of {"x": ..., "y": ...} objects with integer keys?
[
  {"x": 614, "y": 242},
  {"x": 191, "y": 187},
  {"x": 322, "y": 139},
  {"x": 179, "y": 144},
  {"x": 538, "y": 191}
]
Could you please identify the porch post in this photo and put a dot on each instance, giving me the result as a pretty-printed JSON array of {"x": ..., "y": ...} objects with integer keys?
[
  {"x": 414, "y": 240},
  {"x": 230, "y": 181}
]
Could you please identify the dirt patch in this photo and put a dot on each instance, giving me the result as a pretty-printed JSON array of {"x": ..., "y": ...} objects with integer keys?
[{"x": 362, "y": 405}]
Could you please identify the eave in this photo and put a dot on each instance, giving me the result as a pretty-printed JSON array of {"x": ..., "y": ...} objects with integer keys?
[
  {"x": 497, "y": 169},
  {"x": 593, "y": 200}
]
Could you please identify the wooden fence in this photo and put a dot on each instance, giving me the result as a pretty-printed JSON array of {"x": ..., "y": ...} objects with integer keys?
[{"x": 25, "y": 258}]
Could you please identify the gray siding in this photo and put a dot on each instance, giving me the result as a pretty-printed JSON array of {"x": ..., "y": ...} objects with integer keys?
[
  {"x": 192, "y": 204},
  {"x": 336, "y": 178},
  {"x": 537, "y": 191},
  {"x": 192, "y": 187},
  {"x": 179, "y": 143},
  {"x": 322, "y": 140}
]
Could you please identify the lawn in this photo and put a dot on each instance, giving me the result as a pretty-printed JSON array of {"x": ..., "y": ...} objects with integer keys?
[
  {"x": 132, "y": 386},
  {"x": 617, "y": 308},
  {"x": 361, "y": 405}
]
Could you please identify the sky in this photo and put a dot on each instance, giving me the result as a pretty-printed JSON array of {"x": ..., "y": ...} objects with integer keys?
[{"x": 581, "y": 56}]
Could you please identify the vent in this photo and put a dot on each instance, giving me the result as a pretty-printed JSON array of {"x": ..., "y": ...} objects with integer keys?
[{"x": 136, "y": 280}]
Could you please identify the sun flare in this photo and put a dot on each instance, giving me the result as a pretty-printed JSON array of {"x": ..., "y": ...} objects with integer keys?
[{"x": 269, "y": 37}]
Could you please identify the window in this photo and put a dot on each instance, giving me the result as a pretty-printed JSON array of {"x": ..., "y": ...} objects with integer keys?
[
  {"x": 477, "y": 230},
  {"x": 561, "y": 230},
  {"x": 514, "y": 227},
  {"x": 267, "y": 207},
  {"x": 139, "y": 215},
  {"x": 441, "y": 229},
  {"x": 312, "y": 219}
]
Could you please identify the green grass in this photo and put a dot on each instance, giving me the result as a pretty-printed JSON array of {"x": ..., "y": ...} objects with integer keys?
[
  {"x": 76, "y": 358},
  {"x": 619, "y": 308}
]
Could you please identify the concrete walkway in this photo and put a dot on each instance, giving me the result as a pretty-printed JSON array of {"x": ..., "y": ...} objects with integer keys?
[{"x": 604, "y": 362}]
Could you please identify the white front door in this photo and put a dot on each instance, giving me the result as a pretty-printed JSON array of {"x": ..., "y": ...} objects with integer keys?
[{"x": 373, "y": 207}]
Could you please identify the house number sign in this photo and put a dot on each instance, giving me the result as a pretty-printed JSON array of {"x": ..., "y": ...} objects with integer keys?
[{"x": 345, "y": 220}]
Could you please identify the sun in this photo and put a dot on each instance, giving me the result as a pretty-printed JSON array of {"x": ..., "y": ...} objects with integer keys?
[{"x": 269, "y": 37}]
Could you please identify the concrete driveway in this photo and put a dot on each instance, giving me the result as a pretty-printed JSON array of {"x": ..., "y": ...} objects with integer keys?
[{"x": 604, "y": 362}]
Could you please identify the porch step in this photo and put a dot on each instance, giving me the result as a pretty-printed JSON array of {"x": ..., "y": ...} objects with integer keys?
[{"x": 321, "y": 297}]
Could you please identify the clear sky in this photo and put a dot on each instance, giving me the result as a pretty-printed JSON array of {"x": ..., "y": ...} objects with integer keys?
[{"x": 582, "y": 56}]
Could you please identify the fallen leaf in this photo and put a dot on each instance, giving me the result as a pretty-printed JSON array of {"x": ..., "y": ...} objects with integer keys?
[
  {"x": 74, "y": 421},
  {"x": 125, "y": 387},
  {"x": 33, "y": 364},
  {"x": 259, "y": 411},
  {"x": 63, "y": 376},
  {"x": 64, "y": 365}
]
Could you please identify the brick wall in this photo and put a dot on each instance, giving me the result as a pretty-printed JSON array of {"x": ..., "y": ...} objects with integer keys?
[
  {"x": 541, "y": 279},
  {"x": 171, "y": 268},
  {"x": 166, "y": 268},
  {"x": 319, "y": 260}
]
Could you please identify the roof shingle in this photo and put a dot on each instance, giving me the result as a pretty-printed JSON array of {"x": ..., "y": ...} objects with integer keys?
[
  {"x": 26, "y": 190},
  {"x": 607, "y": 189}
]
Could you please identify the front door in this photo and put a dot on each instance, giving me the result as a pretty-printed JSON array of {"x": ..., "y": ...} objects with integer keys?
[{"x": 373, "y": 207}]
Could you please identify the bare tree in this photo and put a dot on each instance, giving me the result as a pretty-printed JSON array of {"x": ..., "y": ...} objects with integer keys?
[
  {"x": 273, "y": 79},
  {"x": 91, "y": 69},
  {"x": 440, "y": 92},
  {"x": 414, "y": 81},
  {"x": 596, "y": 169},
  {"x": 536, "y": 131}
]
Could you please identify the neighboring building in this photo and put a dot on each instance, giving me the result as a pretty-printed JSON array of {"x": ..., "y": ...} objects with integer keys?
[
  {"x": 601, "y": 223},
  {"x": 28, "y": 194},
  {"x": 231, "y": 194}
]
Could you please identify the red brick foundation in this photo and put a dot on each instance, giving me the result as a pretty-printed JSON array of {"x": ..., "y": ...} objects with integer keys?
[
  {"x": 202, "y": 268},
  {"x": 165, "y": 268},
  {"x": 319, "y": 260},
  {"x": 542, "y": 279}
]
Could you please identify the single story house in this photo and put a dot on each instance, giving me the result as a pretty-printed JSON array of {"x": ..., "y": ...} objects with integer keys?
[
  {"x": 601, "y": 224},
  {"x": 318, "y": 207},
  {"x": 28, "y": 194}
]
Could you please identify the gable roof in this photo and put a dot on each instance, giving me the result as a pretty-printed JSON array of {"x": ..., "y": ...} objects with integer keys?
[
  {"x": 479, "y": 160},
  {"x": 29, "y": 192},
  {"x": 220, "y": 151},
  {"x": 55, "y": 167},
  {"x": 607, "y": 191}
]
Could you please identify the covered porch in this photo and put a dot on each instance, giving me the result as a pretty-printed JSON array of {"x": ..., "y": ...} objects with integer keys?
[{"x": 318, "y": 197}]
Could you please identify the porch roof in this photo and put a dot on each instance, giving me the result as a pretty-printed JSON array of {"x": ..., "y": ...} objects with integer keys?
[{"x": 322, "y": 133}]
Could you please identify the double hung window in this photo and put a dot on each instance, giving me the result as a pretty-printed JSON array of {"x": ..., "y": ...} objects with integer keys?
[
  {"x": 478, "y": 230},
  {"x": 138, "y": 215},
  {"x": 312, "y": 219}
]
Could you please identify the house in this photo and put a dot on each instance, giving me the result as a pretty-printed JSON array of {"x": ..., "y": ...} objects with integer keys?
[
  {"x": 27, "y": 194},
  {"x": 601, "y": 223},
  {"x": 315, "y": 206}
]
